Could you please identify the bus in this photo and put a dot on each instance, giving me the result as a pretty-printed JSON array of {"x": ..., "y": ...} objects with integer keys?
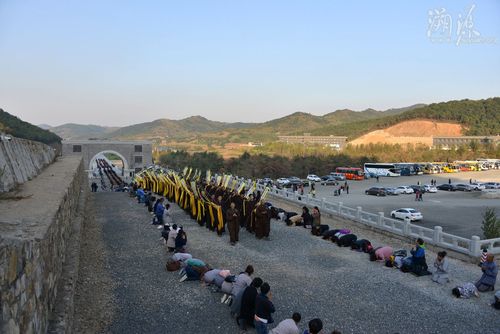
[
  {"x": 408, "y": 168},
  {"x": 351, "y": 173},
  {"x": 381, "y": 169}
]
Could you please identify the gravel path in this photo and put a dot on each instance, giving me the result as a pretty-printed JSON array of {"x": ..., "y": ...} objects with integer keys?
[{"x": 306, "y": 274}]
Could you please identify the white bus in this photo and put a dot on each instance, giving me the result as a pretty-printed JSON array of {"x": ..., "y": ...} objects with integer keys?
[{"x": 381, "y": 169}]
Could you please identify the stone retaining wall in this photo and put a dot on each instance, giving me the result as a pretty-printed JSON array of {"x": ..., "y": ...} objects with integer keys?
[
  {"x": 34, "y": 235},
  {"x": 21, "y": 160}
]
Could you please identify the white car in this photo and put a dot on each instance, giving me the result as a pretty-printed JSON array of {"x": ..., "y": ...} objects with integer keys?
[
  {"x": 405, "y": 189},
  {"x": 282, "y": 181},
  {"x": 478, "y": 186},
  {"x": 404, "y": 213},
  {"x": 313, "y": 177},
  {"x": 430, "y": 189}
]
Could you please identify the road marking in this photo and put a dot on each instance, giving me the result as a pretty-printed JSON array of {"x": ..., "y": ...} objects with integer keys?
[{"x": 434, "y": 201}]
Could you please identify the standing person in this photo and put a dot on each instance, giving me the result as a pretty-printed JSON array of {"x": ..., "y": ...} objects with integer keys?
[
  {"x": 347, "y": 188},
  {"x": 441, "y": 264},
  {"x": 417, "y": 194},
  {"x": 449, "y": 181},
  {"x": 247, "y": 307},
  {"x": 263, "y": 309},
  {"x": 288, "y": 326},
  {"x": 262, "y": 221},
  {"x": 316, "y": 221},
  {"x": 233, "y": 223},
  {"x": 301, "y": 189},
  {"x": 160, "y": 209},
  {"x": 489, "y": 277},
  {"x": 377, "y": 178},
  {"x": 420, "y": 194},
  {"x": 313, "y": 190}
]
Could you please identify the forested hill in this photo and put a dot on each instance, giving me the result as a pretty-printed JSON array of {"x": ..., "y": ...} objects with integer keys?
[
  {"x": 12, "y": 125},
  {"x": 479, "y": 118}
]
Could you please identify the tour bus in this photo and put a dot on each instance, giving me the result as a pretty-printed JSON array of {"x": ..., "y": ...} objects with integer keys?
[
  {"x": 408, "y": 168},
  {"x": 381, "y": 169},
  {"x": 351, "y": 173},
  {"x": 429, "y": 168},
  {"x": 451, "y": 168}
]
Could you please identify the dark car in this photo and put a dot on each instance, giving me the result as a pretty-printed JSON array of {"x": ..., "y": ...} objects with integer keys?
[
  {"x": 418, "y": 188},
  {"x": 328, "y": 180},
  {"x": 391, "y": 191},
  {"x": 377, "y": 191},
  {"x": 447, "y": 187},
  {"x": 463, "y": 187}
]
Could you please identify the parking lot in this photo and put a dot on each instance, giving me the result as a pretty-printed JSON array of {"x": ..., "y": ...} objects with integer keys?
[{"x": 459, "y": 213}]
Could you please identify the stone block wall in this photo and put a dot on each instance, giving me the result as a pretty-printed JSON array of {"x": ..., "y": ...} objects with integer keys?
[
  {"x": 34, "y": 236},
  {"x": 21, "y": 160}
]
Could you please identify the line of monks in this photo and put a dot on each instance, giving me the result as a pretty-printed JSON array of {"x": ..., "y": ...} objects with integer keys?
[{"x": 209, "y": 202}]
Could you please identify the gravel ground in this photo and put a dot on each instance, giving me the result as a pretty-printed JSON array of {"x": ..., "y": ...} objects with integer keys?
[{"x": 306, "y": 274}]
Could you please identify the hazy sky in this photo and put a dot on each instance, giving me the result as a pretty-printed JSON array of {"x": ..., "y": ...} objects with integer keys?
[{"x": 122, "y": 62}]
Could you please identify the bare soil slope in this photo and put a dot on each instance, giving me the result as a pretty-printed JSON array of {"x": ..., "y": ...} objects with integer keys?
[{"x": 414, "y": 132}]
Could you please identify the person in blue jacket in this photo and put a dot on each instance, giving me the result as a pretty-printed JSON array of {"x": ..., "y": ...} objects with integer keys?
[
  {"x": 159, "y": 211},
  {"x": 140, "y": 195}
]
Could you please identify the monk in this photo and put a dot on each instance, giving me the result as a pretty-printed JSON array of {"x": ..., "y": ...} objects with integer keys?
[
  {"x": 262, "y": 221},
  {"x": 233, "y": 223}
]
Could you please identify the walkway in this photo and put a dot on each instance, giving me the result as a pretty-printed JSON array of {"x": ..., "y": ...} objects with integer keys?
[{"x": 308, "y": 275}]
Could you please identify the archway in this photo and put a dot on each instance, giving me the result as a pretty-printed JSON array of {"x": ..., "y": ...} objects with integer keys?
[{"x": 108, "y": 169}]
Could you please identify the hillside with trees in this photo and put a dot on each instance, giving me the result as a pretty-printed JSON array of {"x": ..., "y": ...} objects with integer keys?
[
  {"x": 12, "y": 125},
  {"x": 479, "y": 118}
]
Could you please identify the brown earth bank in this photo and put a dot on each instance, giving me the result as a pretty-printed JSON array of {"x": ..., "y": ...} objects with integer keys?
[{"x": 410, "y": 132}]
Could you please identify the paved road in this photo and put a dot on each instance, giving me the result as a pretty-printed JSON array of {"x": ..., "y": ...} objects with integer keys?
[
  {"x": 458, "y": 213},
  {"x": 306, "y": 274}
]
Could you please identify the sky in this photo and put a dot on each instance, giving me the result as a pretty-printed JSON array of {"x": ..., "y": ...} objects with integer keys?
[{"x": 118, "y": 63}]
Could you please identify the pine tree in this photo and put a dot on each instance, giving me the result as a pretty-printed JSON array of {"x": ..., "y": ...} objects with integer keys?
[{"x": 491, "y": 225}]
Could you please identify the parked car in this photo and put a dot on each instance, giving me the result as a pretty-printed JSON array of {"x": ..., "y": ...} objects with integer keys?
[
  {"x": 447, "y": 187},
  {"x": 338, "y": 176},
  {"x": 330, "y": 180},
  {"x": 282, "y": 181},
  {"x": 417, "y": 188},
  {"x": 492, "y": 185},
  {"x": 409, "y": 213},
  {"x": 463, "y": 187},
  {"x": 266, "y": 181},
  {"x": 430, "y": 188},
  {"x": 313, "y": 177},
  {"x": 377, "y": 191},
  {"x": 294, "y": 180},
  {"x": 478, "y": 186},
  {"x": 405, "y": 189},
  {"x": 392, "y": 191}
]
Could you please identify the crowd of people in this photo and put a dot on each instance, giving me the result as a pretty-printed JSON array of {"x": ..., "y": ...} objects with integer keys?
[
  {"x": 249, "y": 298},
  {"x": 216, "y": 206},
  {"x": 213, "y": 203},
  {"x": 414, "y": 262}
]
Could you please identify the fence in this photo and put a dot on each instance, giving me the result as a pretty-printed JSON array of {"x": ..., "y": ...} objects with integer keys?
[{"x": 436, "y": 236}]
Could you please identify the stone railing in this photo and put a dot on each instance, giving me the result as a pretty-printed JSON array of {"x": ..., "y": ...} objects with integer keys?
[{"x": 436, "y": 236}]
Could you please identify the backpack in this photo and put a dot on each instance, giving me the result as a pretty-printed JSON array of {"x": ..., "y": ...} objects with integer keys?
[{"x": 173, "y": 265}]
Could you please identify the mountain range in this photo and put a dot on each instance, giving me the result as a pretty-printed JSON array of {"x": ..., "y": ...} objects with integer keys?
[{"x": 200, "y": 128}]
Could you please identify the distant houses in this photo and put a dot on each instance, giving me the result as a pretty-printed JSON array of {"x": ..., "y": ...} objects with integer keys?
[
  {"x": 336, "y": 142},
  {"x": 448, "y": 143}
]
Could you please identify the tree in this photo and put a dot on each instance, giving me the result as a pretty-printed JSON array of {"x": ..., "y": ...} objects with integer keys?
[{"x": 491, "y": 225}]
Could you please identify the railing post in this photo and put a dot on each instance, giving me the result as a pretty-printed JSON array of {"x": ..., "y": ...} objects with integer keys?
[
  {"x": 407, "y": 229},
  {"x": 381, "y": 219},
  {"x": 323, "y": 203},
  {"x": 436, "y": 237},
  {"x": 296, "y": 195},
  {"x": 340, "y": 208},
  {"x": 307, "y": 198},
  {"x": 358, "y": 213},
  {"x": 475, "y": 248}
]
